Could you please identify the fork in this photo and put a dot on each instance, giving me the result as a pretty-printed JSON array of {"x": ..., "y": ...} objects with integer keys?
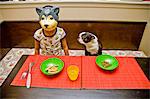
[{"x": 24, "y": 74}]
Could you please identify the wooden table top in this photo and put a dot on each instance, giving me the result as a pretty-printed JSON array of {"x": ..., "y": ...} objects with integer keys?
[{"x": 14, "y": 92}]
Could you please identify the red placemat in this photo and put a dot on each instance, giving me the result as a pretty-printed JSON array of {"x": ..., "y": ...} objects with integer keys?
[
  {"x": 40, "y": 80},
  {"x": 127, "y": 76}
]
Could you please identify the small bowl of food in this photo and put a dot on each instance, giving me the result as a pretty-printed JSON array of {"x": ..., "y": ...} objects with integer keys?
[
  {"x": 107, "y": 62},
  {"x": 52, "y": 66}
]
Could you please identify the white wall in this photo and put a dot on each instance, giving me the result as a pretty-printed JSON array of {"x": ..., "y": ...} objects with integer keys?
[
  {"x": 1, "y": 18},
  {"x": 79, "y": 13},
  {"x": 145, "y": 42},
  {"x": 100, "y": 11}
]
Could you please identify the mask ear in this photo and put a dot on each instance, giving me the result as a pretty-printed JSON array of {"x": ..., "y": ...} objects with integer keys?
[
  {"x": 39, "y": 10},
  {"x": 56, "y": 10}
]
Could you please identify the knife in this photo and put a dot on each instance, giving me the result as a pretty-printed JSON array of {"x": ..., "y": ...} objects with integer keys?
[{"x": 28, "y": 82}]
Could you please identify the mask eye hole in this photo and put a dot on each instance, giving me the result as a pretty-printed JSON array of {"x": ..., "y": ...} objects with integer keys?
[
  {"x": 43, "y": 17},
  {"x": 51, "y": 18}
]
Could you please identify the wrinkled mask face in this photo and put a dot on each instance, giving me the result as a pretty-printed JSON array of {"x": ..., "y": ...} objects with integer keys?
[
  {"x": 85, "y": 37},
  {"x": 48, "y": 17}
]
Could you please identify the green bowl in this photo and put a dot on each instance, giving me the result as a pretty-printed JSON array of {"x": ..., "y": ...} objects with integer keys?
[
  {"x": 52, "y": 62},
  {"x": 112, "y": 61}
]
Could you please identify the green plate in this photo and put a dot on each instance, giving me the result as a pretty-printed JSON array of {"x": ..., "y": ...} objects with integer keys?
[
  {"x": 52, "y": 62},
  {"x": 112, "y": 61}
]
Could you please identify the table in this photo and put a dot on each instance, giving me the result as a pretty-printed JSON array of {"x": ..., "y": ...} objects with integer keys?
[{"x": 8, "y": 91}]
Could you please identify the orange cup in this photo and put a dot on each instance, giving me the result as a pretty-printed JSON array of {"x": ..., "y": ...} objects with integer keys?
[{"x": 73, "y": 72}]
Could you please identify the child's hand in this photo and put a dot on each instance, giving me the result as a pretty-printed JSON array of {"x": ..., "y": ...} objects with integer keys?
[
  {"x": 36, "y": 52},
  {"x": 65, "y": 46},
  {"x": 37, "y": 47},
  {"x": 66, "y": 52}
]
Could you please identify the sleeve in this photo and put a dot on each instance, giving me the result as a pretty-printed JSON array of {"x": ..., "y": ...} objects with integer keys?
[
  {"x": 63, "y": 34},
  {"x": 37, "y": 35}
]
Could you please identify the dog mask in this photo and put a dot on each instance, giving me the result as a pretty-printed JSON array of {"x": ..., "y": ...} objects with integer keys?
[
  {"x": 48, "y": 17},
  {"x": 85, "y": 37},
  {"x": 90, "y": 41}
]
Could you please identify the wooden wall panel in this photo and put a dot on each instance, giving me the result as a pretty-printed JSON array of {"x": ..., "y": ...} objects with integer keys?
[{"x": 113, "y": 35}]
